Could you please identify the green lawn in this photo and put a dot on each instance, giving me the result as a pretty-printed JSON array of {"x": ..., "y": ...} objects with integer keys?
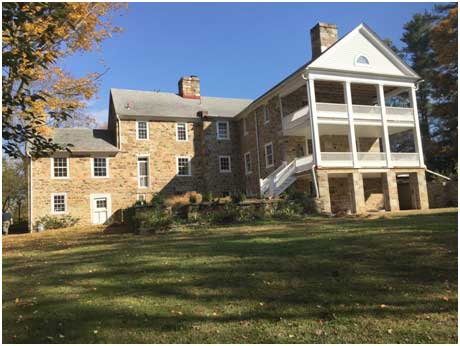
[{"x": 385, "y": 280}]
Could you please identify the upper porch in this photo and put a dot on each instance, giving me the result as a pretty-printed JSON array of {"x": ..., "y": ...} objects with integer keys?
[{"x": 351, "y": 111}]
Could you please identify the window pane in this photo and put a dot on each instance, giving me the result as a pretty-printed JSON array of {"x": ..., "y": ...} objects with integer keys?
[
  {"x": 183, "y": 164},
  {"x": 181, "y": 132},
  {"x": 222, "y": 130},
  {"x": 60, "y": 167},
  {"x": 59, "y": 203},
  {"x": 100, "y": 167},
  {"x": 225, "y": 164},
  {"x": 101, "y": 203},
  {"x": 142, "y": 130},
  {"x": 143, "y": 170}
]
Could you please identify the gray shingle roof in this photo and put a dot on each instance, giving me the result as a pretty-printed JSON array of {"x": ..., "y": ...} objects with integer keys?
[
  {"x": 161, "y": 104},
  {"x": 84, "y": 139}
]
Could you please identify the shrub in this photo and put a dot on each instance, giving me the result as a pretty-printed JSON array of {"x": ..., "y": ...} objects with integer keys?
[
  {"x": 238, "y": 197},
  {"x": 287, "y": 210},
  {"x": 207, "y": 197},
  {"x": 302, "y": 199},
  {"x": 158, "y": 201},
  {"x": 224, "y": 215},
  {"x": 153, "y": 220},
  {"x": 54, "y": 222}
]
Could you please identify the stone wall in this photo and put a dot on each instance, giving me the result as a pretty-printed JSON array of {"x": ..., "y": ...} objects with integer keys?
[
  {"x": 334, "y": 143},
  {"x": 340, "y": 195},
  {"x": 373, "y": 194},
  {"x": 122, "y": 184},
  {"x": 369, "y": 144}
]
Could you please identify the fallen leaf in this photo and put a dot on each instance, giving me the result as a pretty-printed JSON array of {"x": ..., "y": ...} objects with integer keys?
[
  {"x": 390, "y": 331},
  {"x": 383, "y": 306},
  {"x": 318, "y": 332}
]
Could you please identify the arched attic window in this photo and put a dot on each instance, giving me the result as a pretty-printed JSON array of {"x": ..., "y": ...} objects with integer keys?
[{"x": 362, "y": 60}]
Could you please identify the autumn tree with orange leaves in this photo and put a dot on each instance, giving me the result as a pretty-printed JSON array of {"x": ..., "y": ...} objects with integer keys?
[{"x": 37, "y": 92}]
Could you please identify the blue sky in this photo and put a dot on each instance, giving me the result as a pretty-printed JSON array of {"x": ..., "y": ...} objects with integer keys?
[{"x": 237, "y": 50}]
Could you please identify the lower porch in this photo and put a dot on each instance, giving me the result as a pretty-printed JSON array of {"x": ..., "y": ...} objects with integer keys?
[{"x": 359, "y": 191}]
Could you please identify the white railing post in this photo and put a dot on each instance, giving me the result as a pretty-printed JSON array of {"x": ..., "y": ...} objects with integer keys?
[
  {"x": 418, "y": 139},
  {"x": 314, "y": 122},
  {"x": 386, "y": 136},
  {"x": 351, "y": 124}
]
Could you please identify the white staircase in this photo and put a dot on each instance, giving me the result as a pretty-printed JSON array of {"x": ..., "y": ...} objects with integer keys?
[{"x": 283, "y": 177}]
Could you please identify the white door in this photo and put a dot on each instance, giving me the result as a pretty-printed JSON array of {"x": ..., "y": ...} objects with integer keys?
[{"x": 100, "y": 210}]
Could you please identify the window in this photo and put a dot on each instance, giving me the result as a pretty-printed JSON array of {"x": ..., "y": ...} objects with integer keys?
[
  {"x": 101, "y": 203},
  {"x": 60, "y": 167},
  {"x": 223, "y": 130},
  {"x": 142, "y": 130},
  {"x": 269, "y": 155},
  {"x": 362, "y": 60},
  {"x": 266, "y": 115},
  {"x": 58, "y": 203},
  {"x": 100, "y": 169},
  {"x": 181, "y": 132},
  {"x": 225, "y": 164},
  {"x": 245, "y": 126},
  {"x": 247, "y": 163},
  {"x": 141, "y": 197},
  {"x": 143, "y": 171},
  {"x": 183, "y": 166}
]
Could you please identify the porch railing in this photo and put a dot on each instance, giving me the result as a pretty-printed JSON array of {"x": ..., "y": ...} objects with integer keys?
[
  {"x": 296, "y": 118},
  {"x": 400, "y": 114},
  {"x": 337, "y": 159},
  {"x": 371, "y": 159},
  {"x": 367, "y": 112},
  {"x": 405, "y": 159}
]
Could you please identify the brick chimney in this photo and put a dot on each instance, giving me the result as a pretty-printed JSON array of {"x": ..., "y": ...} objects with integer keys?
[
  {"x": 322, "y": 36},
  {"x": 189, "y": 87}
]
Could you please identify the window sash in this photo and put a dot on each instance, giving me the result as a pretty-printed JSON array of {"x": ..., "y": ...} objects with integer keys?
[
  {"x": 269, "y": 155},
  {"x": 59, "y": 203},
  {"x": 266, "y": 117},
  {"x": 60, "y": 167},
  {"x": 222, "y": 130},
  {"x": 142, "y": 130},
  {"x": 100, "y": 167},
  {"x": 143, "y": 171},
  {"x": 247, "y": 163},
  {"x": 181, "y": 131},
  {"x": 183, "y": 166},
  {"x": 225, "y": 164}
]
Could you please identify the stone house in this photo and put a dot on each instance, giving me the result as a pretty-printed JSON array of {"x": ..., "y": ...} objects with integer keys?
[{"x": 332, "y": 128}]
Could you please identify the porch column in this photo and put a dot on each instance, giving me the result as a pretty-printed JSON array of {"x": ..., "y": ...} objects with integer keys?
[
  {"x": 386, "y": 136},
  {"x": 351, "y": 124},
  {"x": 417, "y": 181},
  {"x": 359, "y": 202},
  {"x": 323, "y": 189},
  {"x": 418, "y": 136},
  {"x": 313, "y": 121},
  {"x": 390, "y": 191}
]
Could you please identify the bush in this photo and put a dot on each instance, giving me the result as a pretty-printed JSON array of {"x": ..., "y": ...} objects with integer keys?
[
  {"x": 158, "y": 201},
  {"x": 238, "y": 197},
  {"x": 55, "y": 222},
  {"x": 287, "y": 210},
  {"x": 307, "y": 203},
  {"x": 153, "y": 220},
  {"x": 207, "y": 197}
]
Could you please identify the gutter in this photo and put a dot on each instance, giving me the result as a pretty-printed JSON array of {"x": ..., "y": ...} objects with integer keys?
[
  {"x": 437, "y": 174},
  {"x": 258, "y": 154},
  {"x": 29, "y": 190}
]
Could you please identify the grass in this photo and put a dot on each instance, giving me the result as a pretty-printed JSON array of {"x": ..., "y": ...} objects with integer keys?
[{"x": 384, "y": 280}]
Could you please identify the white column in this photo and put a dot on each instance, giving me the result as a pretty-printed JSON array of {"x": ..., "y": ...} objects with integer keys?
[
  {"x": 313, "y": 121},
  {"x": 351, "y": 124},
  {"x": 418, "y": 136},
  {"x": 386, "y": 136}
]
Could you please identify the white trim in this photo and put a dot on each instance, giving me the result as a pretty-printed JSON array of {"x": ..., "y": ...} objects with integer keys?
[
  {"x": 386, "y": 135},
  {"x": 351, "y": 125},
  {"x": 66, "y": 207},
  {"x": 245, "y": 156},
  {"x": 217, "y": 130},
  {"x": 316, "y": 144},
  {"x": 68, "y": 168},
  {"x": 106, "y": 167},
  {"x": 140, "y": 194},
  {"x": 273, "y": 155},
  {"x": 137, "y": 130},
  {"x": 229, "y": 164},
  {"x": 189, "y": 166},
  {"x": 30, "y": 195},
  {"x": 418, "y": 139},
  {"x": 138, "y": 171},
  {"x": 177, "y": 132},
  {"x": 266, "y": 115},
  {"x": 109, "y": 204},
  {"x": 245, "y": 127}
]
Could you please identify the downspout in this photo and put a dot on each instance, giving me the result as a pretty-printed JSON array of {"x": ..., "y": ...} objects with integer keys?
[
  {"x": 29, "y": 189},
  {"x": 257, "y": 144},
  {"x": 118, "y": 132},
  {"x": 315, "y": 182}
]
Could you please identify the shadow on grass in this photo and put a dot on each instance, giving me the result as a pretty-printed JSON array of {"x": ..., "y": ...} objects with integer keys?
[{"x": 320, "y": 269}]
